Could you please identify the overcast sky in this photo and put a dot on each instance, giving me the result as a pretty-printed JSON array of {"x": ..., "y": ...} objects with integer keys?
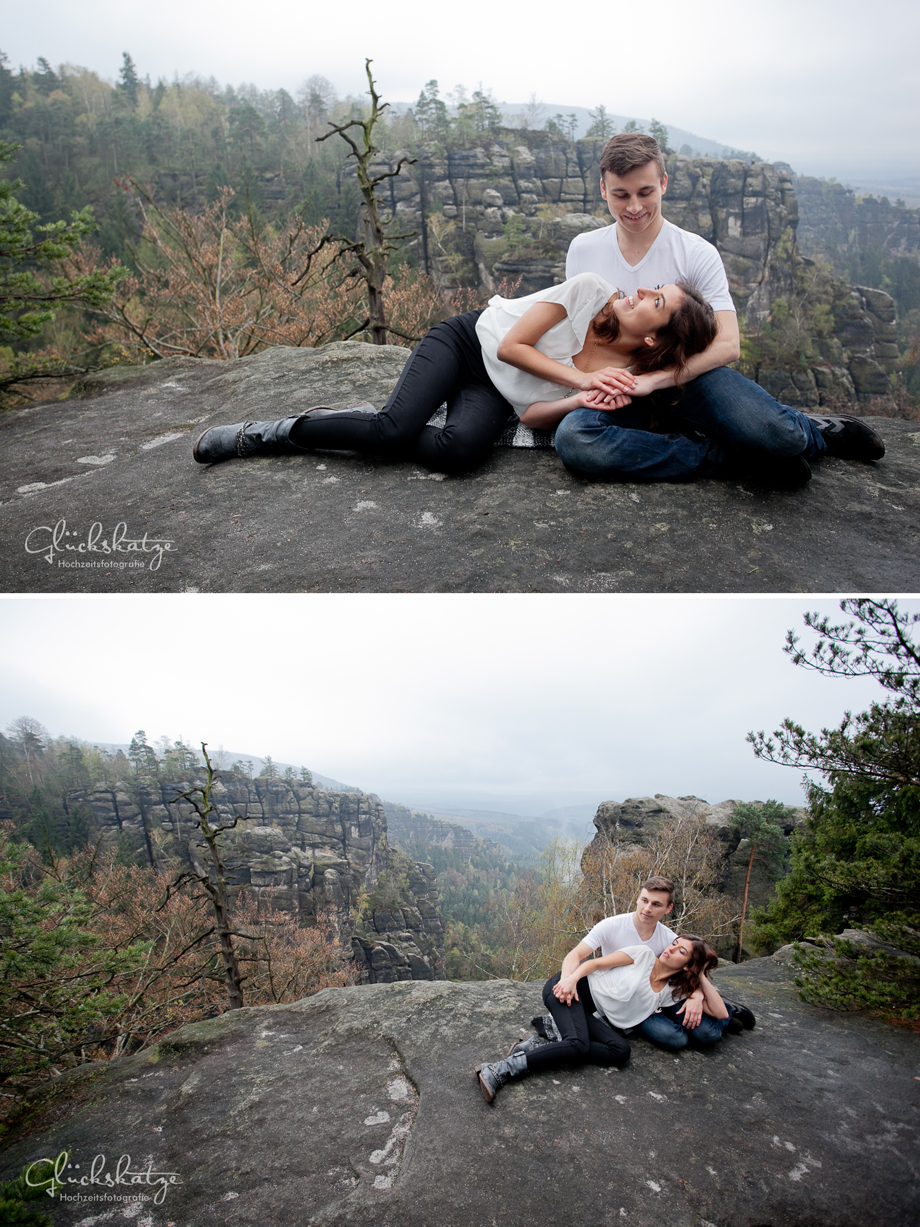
[
  {"x": 830, "y": 86},
  {"x": 560, "y": 698}
]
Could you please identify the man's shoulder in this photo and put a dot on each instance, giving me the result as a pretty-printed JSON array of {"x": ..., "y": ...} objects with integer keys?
[
  {"x": 676, "y": 236},
  {"x": 598, "y": 237},
  {"x": 620, "y": 921}
]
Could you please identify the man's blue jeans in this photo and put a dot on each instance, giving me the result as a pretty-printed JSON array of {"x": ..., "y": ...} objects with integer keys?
[
  {"x": 666, "y": 1029},
  {"x": 719, "y": 423}
]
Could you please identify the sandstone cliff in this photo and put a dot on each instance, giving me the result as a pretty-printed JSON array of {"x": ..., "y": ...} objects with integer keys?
[
  {"x": 508, "y": 209},
  {"x": 834, "y": 220},
  {"x": 298, "y": 848},
  {"x": 358, "y": 1107},
  {"x": 638, "y": 820},
  {"x": 409, "y": 830}
]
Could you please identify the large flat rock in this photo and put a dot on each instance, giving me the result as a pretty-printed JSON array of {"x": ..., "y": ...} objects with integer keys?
[
  {"x": 359, "y": 1108},
  {"x": 120, "y": 460}
]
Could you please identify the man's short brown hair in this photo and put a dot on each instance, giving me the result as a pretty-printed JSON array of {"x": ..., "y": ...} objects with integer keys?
[
  {"x": 628, "y": 151},
  {"x": 662, "y": 885}
]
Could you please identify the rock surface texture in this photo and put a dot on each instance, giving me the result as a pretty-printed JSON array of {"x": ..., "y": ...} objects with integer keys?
[
  {"x": 300, "y": 849},
  {"x": 358, "y": 1107},
  {"x": 114, "y": 472}
]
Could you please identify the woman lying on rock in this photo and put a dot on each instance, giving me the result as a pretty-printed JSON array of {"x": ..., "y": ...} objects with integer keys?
[
  {"x": 576, "y": 345},
  {"x": 591, "y": 1008}
]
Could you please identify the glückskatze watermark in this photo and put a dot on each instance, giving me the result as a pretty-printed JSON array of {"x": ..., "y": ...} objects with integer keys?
[
  {"x": 65, "y": 547},
  {"x": 53, "y": 1175}
]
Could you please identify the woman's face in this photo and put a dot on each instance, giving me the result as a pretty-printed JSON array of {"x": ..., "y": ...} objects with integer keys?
[
  {"x": 677, "y": 955},
  {"x": 643, "y": 313}
]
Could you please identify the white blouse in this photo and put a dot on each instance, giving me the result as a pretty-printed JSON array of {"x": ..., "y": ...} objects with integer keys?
[
  {"x": 582, "y": 296},
  {"x": 623, "y": 994}
]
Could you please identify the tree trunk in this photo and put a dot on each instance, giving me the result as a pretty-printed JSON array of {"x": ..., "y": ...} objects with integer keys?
[{"x": 744, "y": 903}]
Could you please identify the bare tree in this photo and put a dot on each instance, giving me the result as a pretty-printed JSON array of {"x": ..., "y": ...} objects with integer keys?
[
  {"x": 213, "y": 878},
  {"x": 372, "y": 249}
]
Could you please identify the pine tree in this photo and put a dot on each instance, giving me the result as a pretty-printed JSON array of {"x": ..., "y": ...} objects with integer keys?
[
  {"x": 35, "y": 278},
  {"x": 130, "y": 82},
  {"x": 762, "y": 827},
  {"x": 660, "y": 133},
  {"x": 857, "y": 862},
  {"x": 602, "y": 125}
]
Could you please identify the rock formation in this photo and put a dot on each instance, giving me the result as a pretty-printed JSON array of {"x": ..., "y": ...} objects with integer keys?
[
  {"x": 638, "y": 819},
  {"x": 359, "y": 1107},
  {"x": 834, "y": 220},
  {"x": 121, "y": 459},
  {"x": 407, "y": 829},
  {"x": 298, "y": 848},
  {"x": 508, "y": 209}
]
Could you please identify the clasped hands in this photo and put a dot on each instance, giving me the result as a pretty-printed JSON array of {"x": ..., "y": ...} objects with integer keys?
[
  {"x": 566, "y": 990},
  {"x": 612, "y": 387}
]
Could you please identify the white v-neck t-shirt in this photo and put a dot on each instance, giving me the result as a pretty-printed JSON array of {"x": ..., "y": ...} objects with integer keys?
[
  {"x": 675, "y": 255},
  {"x": 618, "y": 932},
  {"x": 624, "y": 995},
  {"x": 582, "y": 297}
]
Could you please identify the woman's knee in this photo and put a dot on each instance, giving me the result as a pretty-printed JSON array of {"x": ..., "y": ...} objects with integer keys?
[{"x": 451, "y": 452}]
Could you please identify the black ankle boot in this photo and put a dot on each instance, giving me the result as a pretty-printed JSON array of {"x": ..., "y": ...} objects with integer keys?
[
  {"x": 494, "y": 1075},
  {"x": 246, "y": 439}
]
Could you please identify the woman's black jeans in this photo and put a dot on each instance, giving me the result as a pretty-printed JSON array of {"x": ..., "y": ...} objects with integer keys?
[
  {"x": 446, "y": 366},
  {"x": 585, "y": 1039}
]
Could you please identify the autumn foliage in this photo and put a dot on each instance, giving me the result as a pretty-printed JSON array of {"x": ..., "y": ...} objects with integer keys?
[{"x": 98, "y": 959}]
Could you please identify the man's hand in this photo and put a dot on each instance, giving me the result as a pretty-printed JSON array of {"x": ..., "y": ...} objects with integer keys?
[
  {"x": 692, "y": 1010},
  {"x": 645, "y": 384}
]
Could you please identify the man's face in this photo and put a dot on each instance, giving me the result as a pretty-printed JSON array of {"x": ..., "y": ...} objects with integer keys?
[
  {"x": 653, "y": 905},
  {"x": 634, "y": 200}
]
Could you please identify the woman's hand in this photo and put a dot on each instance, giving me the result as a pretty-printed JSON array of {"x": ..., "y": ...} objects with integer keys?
[
  {"x": 610, "y": 380},
  {"x": 566, "y": 990},
  {"x": 602, "y": 400}
]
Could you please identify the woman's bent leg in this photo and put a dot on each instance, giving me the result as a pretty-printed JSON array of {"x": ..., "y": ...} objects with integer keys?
[
  {"x": 584, "y": 1038},
  {"x": 446, "y": 365},
  {"x": 476, "y": 416}
]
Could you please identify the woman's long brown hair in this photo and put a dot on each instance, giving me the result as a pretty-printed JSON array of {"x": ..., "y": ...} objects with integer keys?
[
  {"x": 702, "y": 959},
  {"x": 691, "y": 329}
]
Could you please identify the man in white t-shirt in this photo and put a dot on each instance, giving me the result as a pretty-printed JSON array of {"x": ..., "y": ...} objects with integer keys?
[
  {"x": 721, "y": 424},
  {"x": 644, "y": 926}
]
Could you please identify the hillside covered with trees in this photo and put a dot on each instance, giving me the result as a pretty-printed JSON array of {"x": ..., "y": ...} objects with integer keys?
[{"x": 215, "y": 206}]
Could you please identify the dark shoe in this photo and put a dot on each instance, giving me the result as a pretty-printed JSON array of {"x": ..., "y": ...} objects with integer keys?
[
  {"x": 246, "y": 439},
  {"x": 494, "y": 1075},
  {"x": 741, "y": 1018},
  {"x": 545, "y": 1025},
  {"x": 849, "y": 437},
  {"x": 526, "y": 1045}
]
